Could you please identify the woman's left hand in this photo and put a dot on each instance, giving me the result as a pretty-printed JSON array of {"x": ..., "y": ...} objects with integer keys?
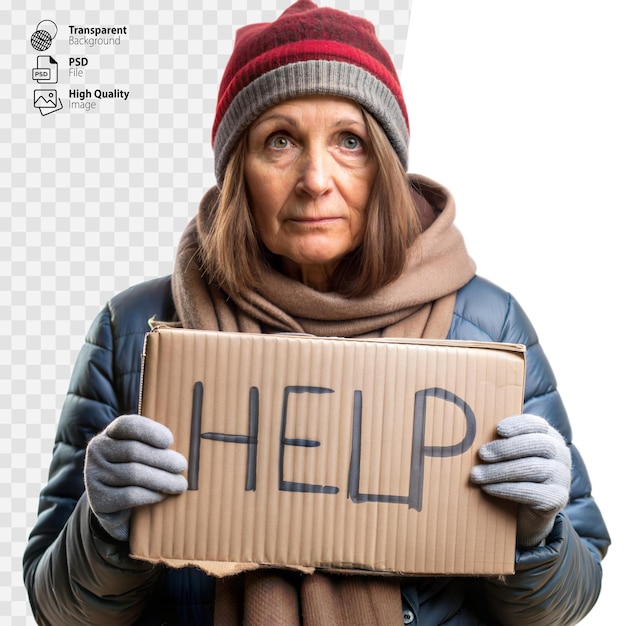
[{"x": 530, "y": 465}]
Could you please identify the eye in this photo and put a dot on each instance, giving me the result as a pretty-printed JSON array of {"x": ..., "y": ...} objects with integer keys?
[
  {"x": 351, "y": 142},
  {"x": 278, "y": 141}
]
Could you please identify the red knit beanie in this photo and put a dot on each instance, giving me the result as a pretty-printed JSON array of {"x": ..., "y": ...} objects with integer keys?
[{"x": 307, "y": 50}]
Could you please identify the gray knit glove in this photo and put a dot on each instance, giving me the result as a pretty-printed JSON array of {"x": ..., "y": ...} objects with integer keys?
[
  {"x": 129, "y": 464},
  {"x": 530, "y": 465}
]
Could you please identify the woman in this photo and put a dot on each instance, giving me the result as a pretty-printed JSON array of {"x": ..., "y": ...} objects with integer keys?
[{"x": 314, "y": 227}]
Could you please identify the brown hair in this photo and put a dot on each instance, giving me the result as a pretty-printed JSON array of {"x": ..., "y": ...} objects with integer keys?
[{"x": 234, "y": 256}]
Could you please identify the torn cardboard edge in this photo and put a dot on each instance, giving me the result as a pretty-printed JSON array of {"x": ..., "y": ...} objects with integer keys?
[
  {"x": 347, "y": 455},
  {"x": 223, "y": 569}
]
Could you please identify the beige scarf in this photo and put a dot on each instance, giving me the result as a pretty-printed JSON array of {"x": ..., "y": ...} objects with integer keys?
[{"x": 418, "y": 304}]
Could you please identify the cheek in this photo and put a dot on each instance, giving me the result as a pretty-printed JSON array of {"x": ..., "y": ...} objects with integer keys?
[
  {"x": 263, "y": 197},
  {"x": 258, "y": 192},
  {"x": 265, "y": 208},
  {"x": 359, "y": 199},
  {"x": 263, "y": 221},
  {"x": 268, "y": 193},
  {"x": 357, "y": 229},
  {"x": 252, "y": 181}
]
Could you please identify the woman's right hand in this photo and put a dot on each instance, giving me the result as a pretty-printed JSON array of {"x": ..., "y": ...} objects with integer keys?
[{"x": 130, "y": 464}]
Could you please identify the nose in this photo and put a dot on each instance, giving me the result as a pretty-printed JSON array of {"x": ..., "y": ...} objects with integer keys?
[{"x": 315, "y": 176}]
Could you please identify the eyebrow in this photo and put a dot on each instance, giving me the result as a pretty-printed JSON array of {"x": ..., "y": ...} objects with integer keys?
[{"x": 283, "y": 117}]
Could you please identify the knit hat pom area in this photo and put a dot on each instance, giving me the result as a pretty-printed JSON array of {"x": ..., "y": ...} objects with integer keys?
[{"x": 308, "y": 50}]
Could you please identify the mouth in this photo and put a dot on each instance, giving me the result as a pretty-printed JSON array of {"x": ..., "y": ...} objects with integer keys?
[{"x": 314, "y": 221}]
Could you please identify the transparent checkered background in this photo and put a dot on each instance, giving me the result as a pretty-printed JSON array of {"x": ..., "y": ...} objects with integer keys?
[{"x": 92, "y": 202}]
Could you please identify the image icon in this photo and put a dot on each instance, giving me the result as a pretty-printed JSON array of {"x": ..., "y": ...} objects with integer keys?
[
  {"x": 42, "y": 38},
  {"x": 47, "y": 101},
  {"x": 47, "y": 70}
]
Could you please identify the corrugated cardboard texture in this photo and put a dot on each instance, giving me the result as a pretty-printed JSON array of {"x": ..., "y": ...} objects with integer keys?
[{"x": 329, "y": 453}]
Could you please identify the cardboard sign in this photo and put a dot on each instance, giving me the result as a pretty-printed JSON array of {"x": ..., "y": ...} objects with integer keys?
[{"x": 329, "y": 453}]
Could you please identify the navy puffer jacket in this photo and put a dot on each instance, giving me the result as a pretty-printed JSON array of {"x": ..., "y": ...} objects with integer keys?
[{"x": 76, "y": 574}]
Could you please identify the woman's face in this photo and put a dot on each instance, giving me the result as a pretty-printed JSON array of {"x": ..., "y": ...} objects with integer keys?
[{"x": 309, "y": 172}]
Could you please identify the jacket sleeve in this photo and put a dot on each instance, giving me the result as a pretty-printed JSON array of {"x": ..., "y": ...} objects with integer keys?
[
  {"x": 559, "y": 582},
  {"x": 74, "y": 573}
]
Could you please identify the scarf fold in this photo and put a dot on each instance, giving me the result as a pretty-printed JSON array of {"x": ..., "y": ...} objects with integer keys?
[
  {"x": 282, "y": 598},
  {"x": 419, "y": 304}
]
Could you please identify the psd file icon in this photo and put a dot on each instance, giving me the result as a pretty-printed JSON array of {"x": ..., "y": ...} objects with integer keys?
[
  {"x": 47, "y": 70},
  {"x": 47, "y": 101}
]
